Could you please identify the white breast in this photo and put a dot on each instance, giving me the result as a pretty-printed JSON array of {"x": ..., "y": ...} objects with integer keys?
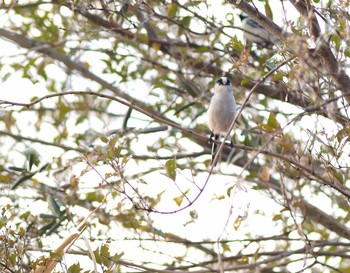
[{"x": 222, "y": 110}]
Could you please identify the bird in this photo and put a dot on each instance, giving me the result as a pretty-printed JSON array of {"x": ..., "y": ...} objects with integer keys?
[
  {"x": 255, "y": 33},
  {"x": 221, "y": 112}
]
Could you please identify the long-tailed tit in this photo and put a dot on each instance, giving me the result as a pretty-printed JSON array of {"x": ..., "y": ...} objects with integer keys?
[
  {"x": 255, "y": 33},
  {"x": 221, "y": 112}
]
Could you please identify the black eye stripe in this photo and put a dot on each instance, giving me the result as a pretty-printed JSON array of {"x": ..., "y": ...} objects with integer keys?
[{"x": 219, "y": 81}]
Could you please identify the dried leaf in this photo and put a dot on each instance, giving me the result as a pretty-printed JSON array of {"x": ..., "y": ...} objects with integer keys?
[
  {"x": 179, "y": 199},
  {"x": 265, "y": 174}
]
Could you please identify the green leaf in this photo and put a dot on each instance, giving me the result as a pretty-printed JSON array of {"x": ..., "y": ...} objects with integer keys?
[
  {"x": 25, "y": 215},
  {"x": 104, "y": 254},
  {"x": 54, "y": 206},
  {"x": 244, "y": 81},
  {"x": 243, "y": 260},
  {"x": 170, "y": 167},
  {"x": 277, "y": 217},
  {"x": 270, "y": 63},
  {"x": 235, "y": 44},
  {"x": 186, "y": 21},
  {"x": 17, "y": 169},
  {"x": 268, "y": 11},
  {"x": 117, "y": 151},
  {"x": 158, "y": 85},
  {"x": 338, "y": 176},
  {"x": 225, "y": 247},
  {"x": 202, "y": 49},
  {"x": 13, "y": 258},
  {"x": 94, "y": 196},
  {"x": 230, "y": 18},
  {"x": 344, "y": 268},
  {"x": 104, "y": 139},
  {"x": 32, "y": 157},
  {"x": 272, "y": 121},
  {"x": 20, "y": 180},
  {"x": 117, "y": 256},
  {"x": 343, "y": 133},
  {"x": 278, "y": 76},
  {"x": 229, "y": 190},
  {"x": 347, "y": 52},
  {"x": 337, "y": 41},
  {"x": 113, "y": 141},
  {"x": 172, "y": 10},
  {"x": 47, "y": 216},
  {"x": 256, "y": 254},
  {"x": 56, "y": 255},
  {"x": 97, "y": 255},
  {"x": 265, "y": 127},
  {"x": 195, "y": 3},
  {"x": 75, "y": 268}
]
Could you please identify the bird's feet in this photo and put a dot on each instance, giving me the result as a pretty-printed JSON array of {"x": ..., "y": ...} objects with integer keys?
[{"x": 210, "y": 141}]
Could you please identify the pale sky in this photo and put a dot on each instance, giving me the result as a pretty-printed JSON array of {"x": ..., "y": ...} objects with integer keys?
[{"x": 214, "y": 218}]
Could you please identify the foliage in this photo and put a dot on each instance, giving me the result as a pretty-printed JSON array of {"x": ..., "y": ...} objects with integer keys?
[{"x": 91, "y": 179}]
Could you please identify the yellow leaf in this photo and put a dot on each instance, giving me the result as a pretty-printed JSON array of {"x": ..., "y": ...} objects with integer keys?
[
  {"x": 237, "y": 223},
  {"x": 35, "y": 181},
  {"x": 64, "y": 133},
  {"x": 178, "y": 200},
  {"x": 86, "y": 64},
  {"x": 155, "y": 46},
  {"x": 243, "y": 260}
]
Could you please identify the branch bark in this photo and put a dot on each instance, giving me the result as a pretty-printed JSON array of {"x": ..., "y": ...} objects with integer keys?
[
  {"x": 313, "y": 212},
  {"x": 323, "y": 50}
]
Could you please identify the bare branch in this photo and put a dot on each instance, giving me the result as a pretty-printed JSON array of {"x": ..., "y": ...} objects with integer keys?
[
  {"x": 330, "y": 64},
  {"x": 323, "y": 49},
  {"x": 337, "y": 186},
  {"x": 36, "y": 140}
]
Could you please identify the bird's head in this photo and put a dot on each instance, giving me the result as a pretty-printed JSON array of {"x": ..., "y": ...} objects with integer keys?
[
  {"x": 223, "y": 81},
  {"x": 242, "y": 16}
]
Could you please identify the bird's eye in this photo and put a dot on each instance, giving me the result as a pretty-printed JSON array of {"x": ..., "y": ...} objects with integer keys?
[{"x": 219, "y": 82}]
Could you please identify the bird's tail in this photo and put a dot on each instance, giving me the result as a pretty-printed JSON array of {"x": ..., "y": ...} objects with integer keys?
[{"x": 213, "y": 151}]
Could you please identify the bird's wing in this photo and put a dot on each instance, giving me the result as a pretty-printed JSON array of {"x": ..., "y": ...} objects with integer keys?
[{"x": 254, "y": 24}]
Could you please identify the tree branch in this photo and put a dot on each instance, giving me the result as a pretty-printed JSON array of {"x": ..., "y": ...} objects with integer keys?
[
  {"x": 190, "y": 132},
  {"x": 330, "y": 64},
  {"x": 316, "y": 215},
  {"x": 264, "y": 21},
  {"x": 36, "y": 140}
]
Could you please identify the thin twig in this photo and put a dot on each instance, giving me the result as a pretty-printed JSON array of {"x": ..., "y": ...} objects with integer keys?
[{"x": 340, "y": 188}]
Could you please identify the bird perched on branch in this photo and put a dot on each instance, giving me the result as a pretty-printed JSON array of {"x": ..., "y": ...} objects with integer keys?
[
  {"x": 221, "y": 112},
  {"x": 255, "y": 33}
]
